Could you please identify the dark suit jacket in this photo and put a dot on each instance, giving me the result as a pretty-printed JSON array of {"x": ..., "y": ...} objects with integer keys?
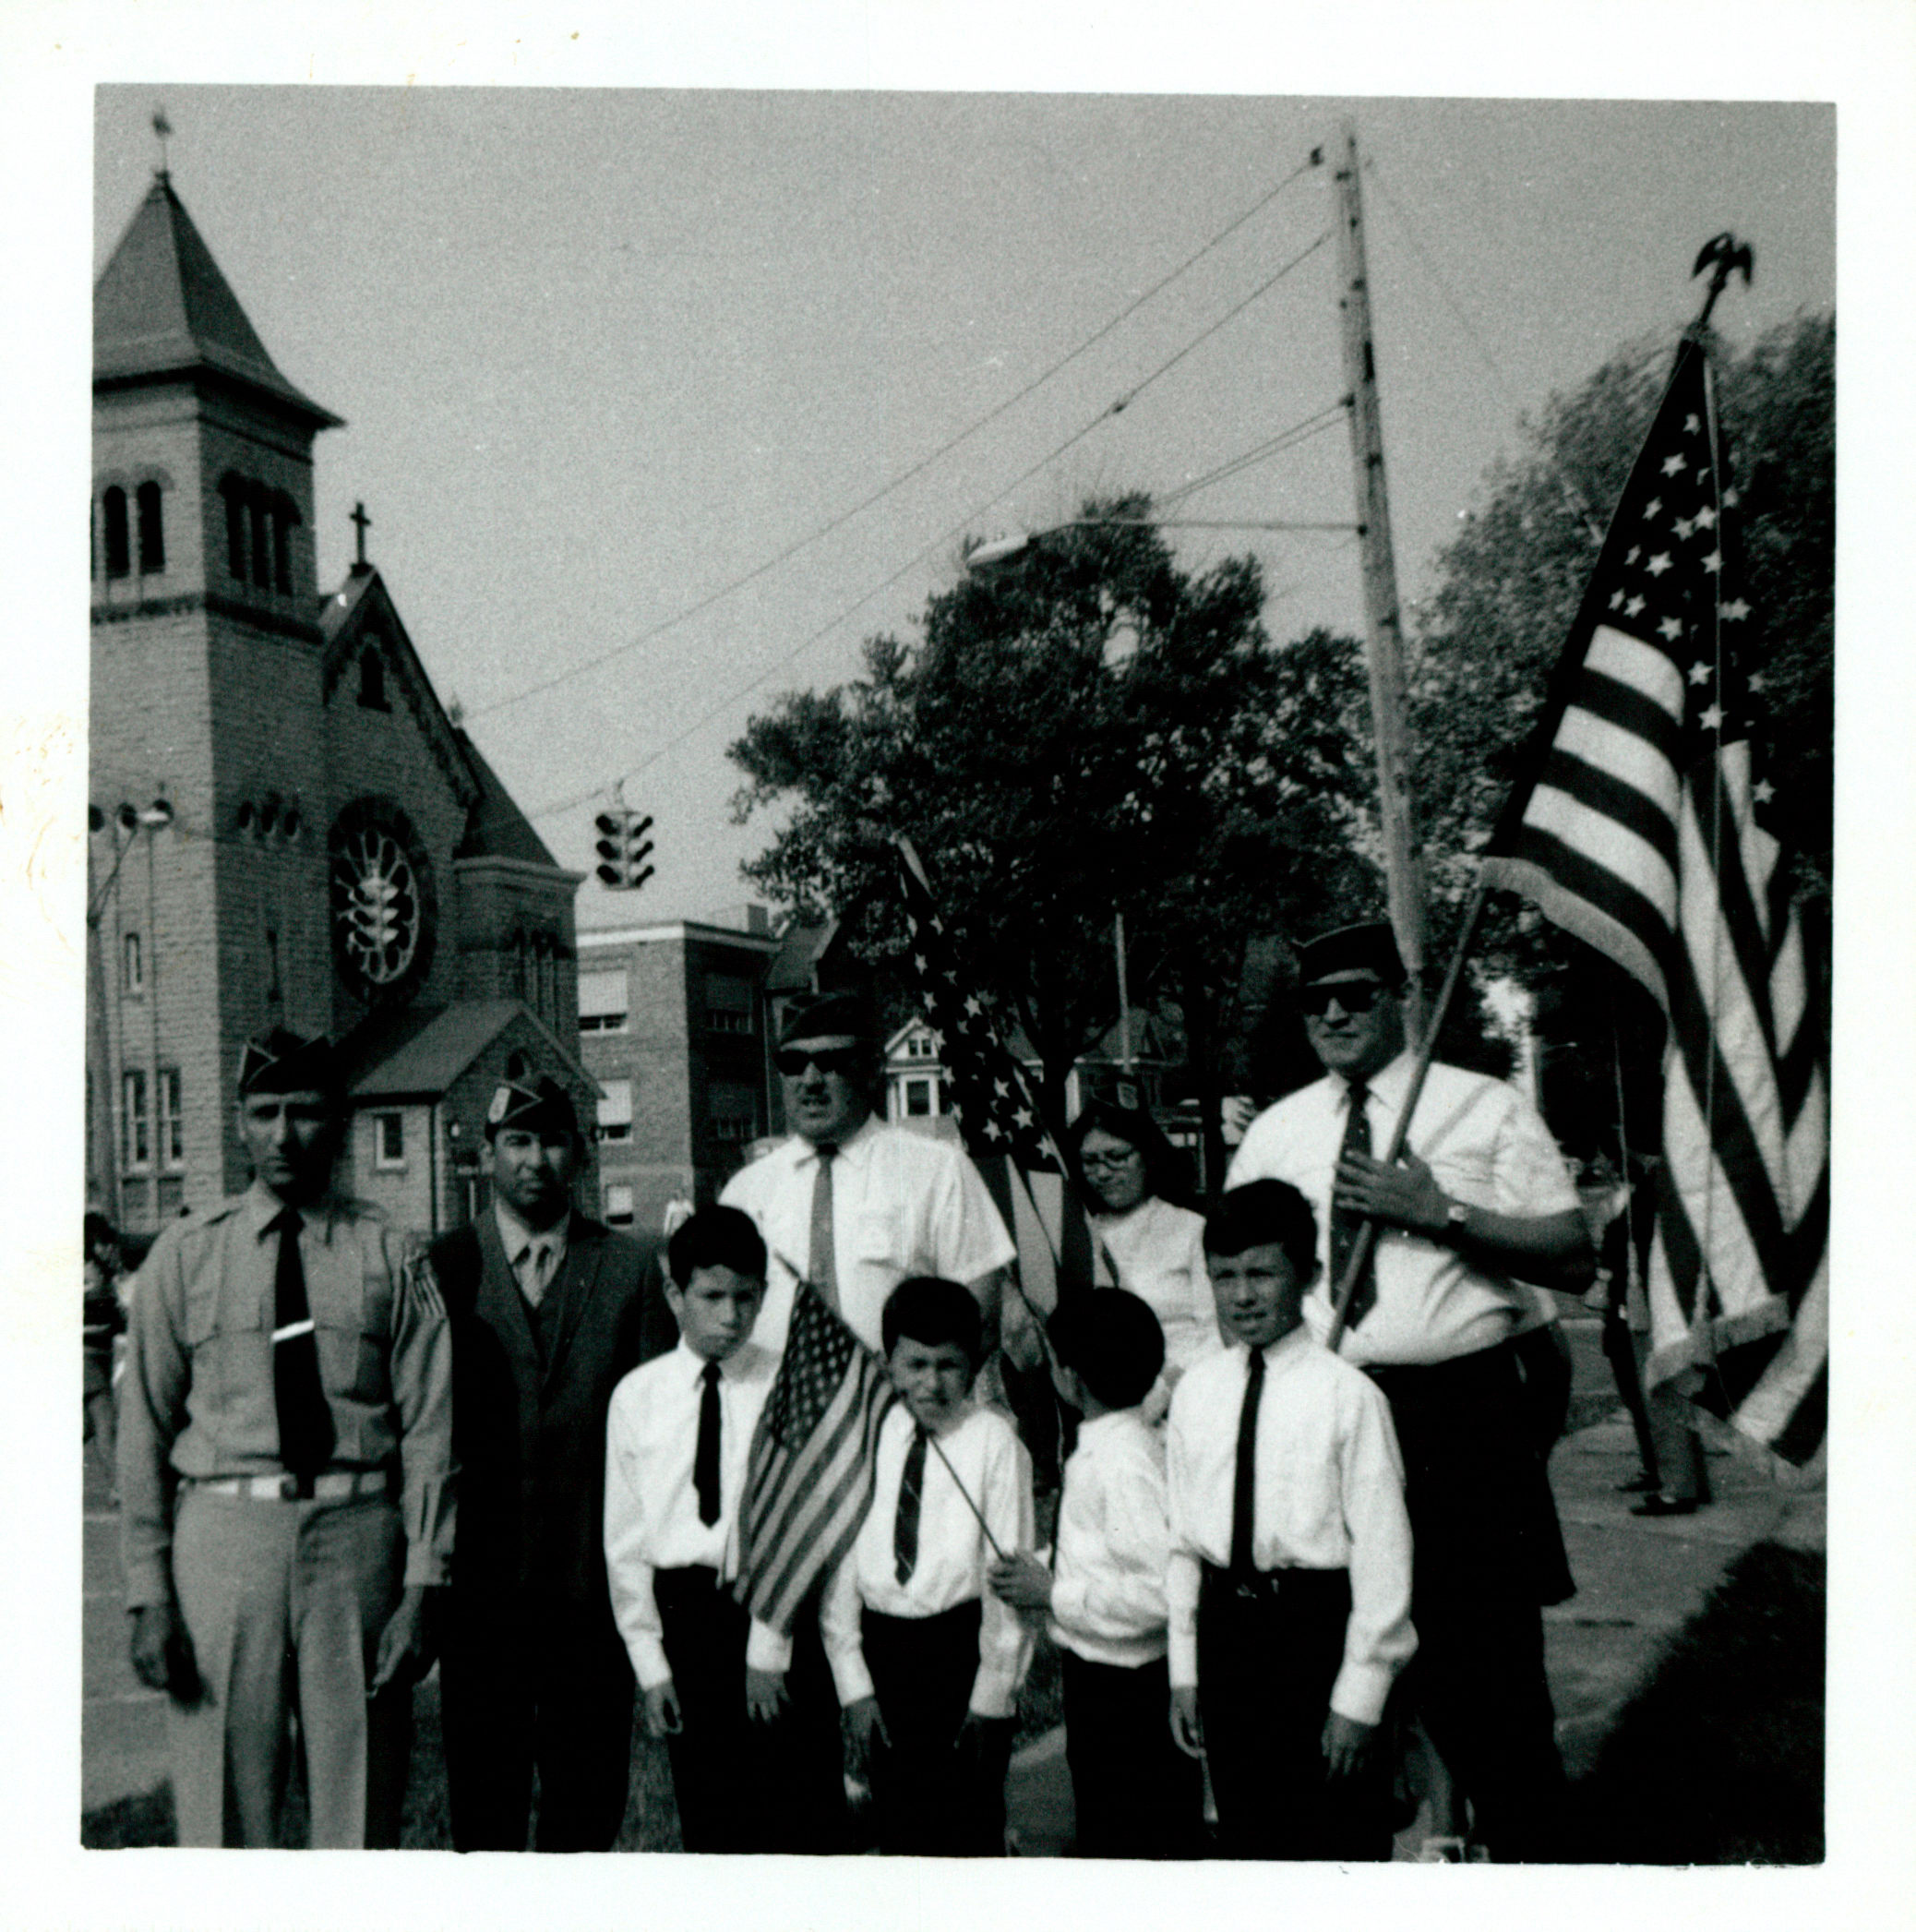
[{"x": 531, "y": 1443}]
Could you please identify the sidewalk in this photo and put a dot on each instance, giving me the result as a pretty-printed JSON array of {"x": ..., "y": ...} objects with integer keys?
[{"x": 1639, "y": 1581}]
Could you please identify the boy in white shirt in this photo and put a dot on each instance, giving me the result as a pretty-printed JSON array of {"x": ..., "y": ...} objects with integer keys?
[
  {"x": 752, "y": 1728},
  {"x": 1289, "y": 1576},
  {"x": 1137, "y": 1796},
  {"x": 928, "y": 1663}
]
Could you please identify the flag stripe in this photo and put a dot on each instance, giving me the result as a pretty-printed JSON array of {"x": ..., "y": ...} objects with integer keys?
[
  {"x": 1615, "y": 808},
  {"x": 1618, "y": 899}
]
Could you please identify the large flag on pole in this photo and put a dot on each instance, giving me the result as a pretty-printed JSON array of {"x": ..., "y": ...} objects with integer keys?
[
  {"x": 808, "y": 1480},
  {"x": 1643, "y": 829},
  {"x": 991, "y": 1101}
]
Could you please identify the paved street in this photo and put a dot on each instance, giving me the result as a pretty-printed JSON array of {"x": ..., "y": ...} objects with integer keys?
[{"x": 1638, "y": 1582}]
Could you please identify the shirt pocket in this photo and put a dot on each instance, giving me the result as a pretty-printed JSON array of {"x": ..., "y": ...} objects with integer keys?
[
  {"x": 879, "y": 1239},
  {"x": 353, "y": 1321}
]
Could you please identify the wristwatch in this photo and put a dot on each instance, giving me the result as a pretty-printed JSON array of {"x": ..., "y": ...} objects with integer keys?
[{"x": 1454, "y": 1216}]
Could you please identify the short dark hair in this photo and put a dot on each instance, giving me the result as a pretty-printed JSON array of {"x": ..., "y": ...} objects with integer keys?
[
  {"x": 1167, "y": 1173},
  {"x": 715, "y": 1238},
  {"x": 928, "y": 1309},
  {"x": 99, "y": 1228},
  {"x": 1262, "y": 1212},
  {"x": 1112, "y": 1340}
]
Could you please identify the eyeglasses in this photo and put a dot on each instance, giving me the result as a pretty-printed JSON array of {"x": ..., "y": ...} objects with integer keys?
[
  {"x": 1103, "y": 1163},
  {"x": 1355, "y": 996},
  {"x": 793, "y": 1061}
]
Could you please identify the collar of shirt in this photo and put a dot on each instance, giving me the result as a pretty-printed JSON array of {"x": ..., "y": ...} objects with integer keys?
[
  {"x": 851, "y": 1149},
  {"x": 1388, "y": 1085},
  {"x": 517, "y": 1238},
  {"x": 741, "y": 1366},
  {"x": 1279, "y": 1351},
  {"x": 1100, "y": 1431},
  {"x": 260, "y": 1207}
]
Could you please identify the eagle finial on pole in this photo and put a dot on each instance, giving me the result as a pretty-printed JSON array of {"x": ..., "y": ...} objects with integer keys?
[{"x": 1727, "y": 255}]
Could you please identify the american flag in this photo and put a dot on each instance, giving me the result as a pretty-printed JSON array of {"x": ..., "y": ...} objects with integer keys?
[
  {"x": 809, "y": 1480},
  {"x": 1643, "y": 829}
]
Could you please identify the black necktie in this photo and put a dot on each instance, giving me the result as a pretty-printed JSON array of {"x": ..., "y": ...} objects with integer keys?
[
  {"x": 822, "y": 1257},
  {"x": 911, "y": 1497},
  {"x": 705, "y": 1459},
  {"x": 1244, "y": 1492},
  {"x": 1344, "y": 1224},
  {"x": 305, "y": 1422}
]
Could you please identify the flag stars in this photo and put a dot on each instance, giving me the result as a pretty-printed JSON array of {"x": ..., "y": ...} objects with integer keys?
[
  {"x": 1731, "y": 498},
  {"x": 1659, "y": 563},
  {"x": 1616, "y": 600},
  {"x": 1692, "y": 426},
  {"x": 1713, "y": 563},
  {"x": 1672, "y": 628},
  {"x": 1674, "y": 465},
  {"x": 1631, "y": 608},
  {"x": 1700, "y": 673},
  {"x": 1711, "y": 717},
  {"x": 1763, "y": 791},
  {"x": 1734, "y": 611},
  {"x": 1653, "y": 508},
  {"x": 1636, "y": 551},
  {"x": 1684, "y": 527},
  {"x": 1757, "y": 681},
  {"x": 1706, "y": 518}
]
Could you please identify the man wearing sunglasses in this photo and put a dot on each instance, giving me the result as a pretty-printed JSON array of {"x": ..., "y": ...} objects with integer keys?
[
  {"x": 1480, "y": 1205},
  {"x": 854, "y": 1203}
]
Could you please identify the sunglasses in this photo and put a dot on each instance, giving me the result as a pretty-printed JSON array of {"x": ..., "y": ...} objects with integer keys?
[
  {"x": 1355, "y": 996},
  {"x": 793, "y": 1061}
]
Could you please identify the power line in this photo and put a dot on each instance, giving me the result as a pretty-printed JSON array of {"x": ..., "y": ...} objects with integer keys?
[
  {"x": 1123, "y": 402},
  {"x": 1273, "y": 446},
  {"x": 898, "y": 482}
]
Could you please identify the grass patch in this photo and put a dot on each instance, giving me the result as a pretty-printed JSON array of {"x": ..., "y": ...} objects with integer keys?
[{"x": 1719, "y": 1759}]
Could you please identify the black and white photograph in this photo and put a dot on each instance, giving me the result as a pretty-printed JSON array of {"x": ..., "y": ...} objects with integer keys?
[{"x": 949, "y": 968}]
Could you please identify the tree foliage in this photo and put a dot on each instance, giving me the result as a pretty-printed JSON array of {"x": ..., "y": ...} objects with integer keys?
[{"x": 1082, "y": 729}]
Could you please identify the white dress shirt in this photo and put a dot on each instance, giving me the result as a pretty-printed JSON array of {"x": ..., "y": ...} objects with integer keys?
[
  {"x": 535, "y": 1255},
  {"x": 1114, "y": 1542},
  {"x": 1159, "y": 1251},
  {"x": 1488, "y": 1148},
  {"x": 901, "y": 1203},
  {"x": 984, "y": 1454},
  {"x": 652, "y": 1507},
  {"x": 1330, "y": 1495}
]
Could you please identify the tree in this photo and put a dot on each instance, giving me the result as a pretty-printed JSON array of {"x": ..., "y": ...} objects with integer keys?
[
  {"x": 1509, "y": 589},
  {"x": 1082, "y": 730}
]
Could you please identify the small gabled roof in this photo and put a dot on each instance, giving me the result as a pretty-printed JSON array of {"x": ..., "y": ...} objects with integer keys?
[
  {"x": 161, "y": 307},
  {"x": 420, "y": 1055}
]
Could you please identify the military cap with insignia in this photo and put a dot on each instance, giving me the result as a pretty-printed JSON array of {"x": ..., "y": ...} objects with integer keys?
[
  {"x": 834, "y": 1015},
  {"x": 1368, "y": 947},
  {"x": 280, "y": 1061},
  {"x": 535, "y": 1106}
]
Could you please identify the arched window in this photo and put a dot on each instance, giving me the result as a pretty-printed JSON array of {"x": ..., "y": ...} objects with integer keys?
[
  {"x": 372, "y": 679},
  {"x": 284, "y": 517},
  {"x": 152, "y": 537},
  {"x": 234, "y": 491},
  {"x": 119, "y": 559},
  {"x": 262, "y": 539}
]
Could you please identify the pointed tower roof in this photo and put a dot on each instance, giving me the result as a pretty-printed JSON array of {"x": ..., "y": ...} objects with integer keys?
[{"x": 162, "y": 308}]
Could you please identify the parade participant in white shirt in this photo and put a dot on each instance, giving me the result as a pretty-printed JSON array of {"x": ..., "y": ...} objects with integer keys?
[
  {"x": 854, "y": 1203},
  {"x": 1135, "y": 1795},
  {"x": 928, "y": 1663},
  {"x": 749, "y": 1716},
  {"x": 1153, "y": 1243},
  {"x": 1481, "y": 1206},
  {"x": 1289, "y": 1576}
]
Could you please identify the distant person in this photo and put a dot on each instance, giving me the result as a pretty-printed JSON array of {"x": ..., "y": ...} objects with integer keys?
[
  {"x": 103, "y": 1318},
  {"x": 287, "y": 1481},
  {"x": 852, "y": 1202},
  {"x": 747, "y": 1716},
  {"x": 1289, "y": 1576},
  {"x": 1136, "y": 1795},
  {"x": 548, "y": 1311},
  {"x": 1152, "y": 1244},
  {"x": 927, "y": 1662},
  {"x": 1479, "y": 1207}
]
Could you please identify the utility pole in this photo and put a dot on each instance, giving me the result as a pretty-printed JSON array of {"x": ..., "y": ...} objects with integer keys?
[{"x": 1385, "y": 656}]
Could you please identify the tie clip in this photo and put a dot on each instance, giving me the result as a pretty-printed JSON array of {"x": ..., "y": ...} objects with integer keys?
[{"x": 291, "y": 1329}]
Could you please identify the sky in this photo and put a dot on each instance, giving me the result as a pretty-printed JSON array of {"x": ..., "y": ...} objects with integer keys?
[{"x": 604, "y": 353}]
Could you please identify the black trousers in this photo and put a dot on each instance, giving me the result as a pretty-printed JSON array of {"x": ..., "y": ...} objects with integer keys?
[
  {"x": 1489, "y": 1555},
  {"x": 741, "y": 1786},
  {"x": 1269, "y": 1650},
  {"x": 929, "y": 1798},
  {"x": 1137, "y": 1794},
  {"x": 528, "y": 1686}
]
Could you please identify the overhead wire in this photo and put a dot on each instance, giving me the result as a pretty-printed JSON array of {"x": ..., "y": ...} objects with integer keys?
[
  {"x": 895, "y": 483},
  {"x": 956, "y": 530}
]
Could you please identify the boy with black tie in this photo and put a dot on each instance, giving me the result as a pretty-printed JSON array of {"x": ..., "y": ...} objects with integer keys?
[
  {"x": 1289, "y": 1576},
  {"x": 747, "y": 1716},
  {"x": 1136, "y": 1795},
  {"x": 927, "y": 1662}
]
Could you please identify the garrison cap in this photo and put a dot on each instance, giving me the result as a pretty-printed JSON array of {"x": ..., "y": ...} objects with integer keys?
[
  {"x": 536, "y": 1105},
  {"x": 281, "y": 1063},
  {"x": 825, "y": 1016},
  {"x": 1368, "y": 947}
]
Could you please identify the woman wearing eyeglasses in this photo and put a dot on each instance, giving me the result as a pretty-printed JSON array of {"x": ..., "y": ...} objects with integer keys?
[{"x": 1129, "y": 1173}]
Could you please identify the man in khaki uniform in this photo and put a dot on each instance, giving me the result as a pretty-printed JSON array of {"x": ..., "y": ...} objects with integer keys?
[{"x": 286, "y": 1476}]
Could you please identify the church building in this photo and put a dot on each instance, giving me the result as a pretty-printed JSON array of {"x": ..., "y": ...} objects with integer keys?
[{"x": 286, "y": 827}]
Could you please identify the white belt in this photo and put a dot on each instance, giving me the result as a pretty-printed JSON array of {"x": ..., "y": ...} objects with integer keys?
[{"x": 333, "y": 1486}]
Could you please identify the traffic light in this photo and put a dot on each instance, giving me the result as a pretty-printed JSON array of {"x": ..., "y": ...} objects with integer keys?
[{"x": 623, "y": 848}]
